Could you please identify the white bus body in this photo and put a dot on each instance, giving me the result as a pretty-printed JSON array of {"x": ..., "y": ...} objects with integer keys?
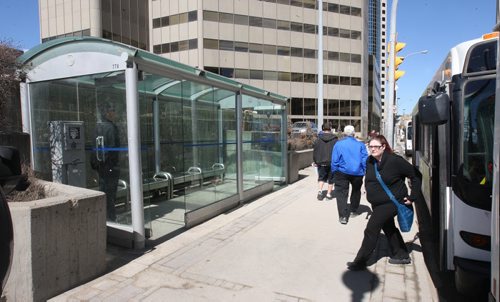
[{"x": 455, "y": 157}]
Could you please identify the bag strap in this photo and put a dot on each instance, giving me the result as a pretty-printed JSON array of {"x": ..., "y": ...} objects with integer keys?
[{"x": 382, "y": 183}]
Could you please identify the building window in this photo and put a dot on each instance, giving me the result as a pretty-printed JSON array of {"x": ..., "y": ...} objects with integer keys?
[
  {"x": 210, "y": 16},
  {"x": 242, "y": 73},
  {"x": 226, "y": 45},
  {"x": 256, "y": 74},
  {"x": 269, "y": 49},
  {"x": 255, "y": 21},
  {"x": 241, "y": 46},
  {"x": 240, "y": 19},
  {"x": 255, "y": 48},
  {"x": 211, "y": 43},
  {"x": 269, "y": 23},
  {"x": 227, "y": 72},
  {"x": 270, "y": 75},
  {"x": 226, "y": 18}
]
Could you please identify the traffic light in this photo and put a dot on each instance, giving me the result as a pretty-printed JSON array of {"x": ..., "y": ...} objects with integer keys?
[{"x": 398, "y": 60}]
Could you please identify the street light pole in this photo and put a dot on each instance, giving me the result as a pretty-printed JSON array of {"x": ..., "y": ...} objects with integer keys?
[
  {"x": 389, "y": 124},
  {"x": 320, "y": 64},
  {"x": 423, "y": 52}
]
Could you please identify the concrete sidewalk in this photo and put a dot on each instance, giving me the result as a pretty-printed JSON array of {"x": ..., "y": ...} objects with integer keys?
[{"x": 285, "y": 246}]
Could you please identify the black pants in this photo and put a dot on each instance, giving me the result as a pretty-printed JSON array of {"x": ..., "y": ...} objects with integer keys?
[
  {"x": 382, "y": 218},
  {"x": 342, "y": 182},
  {"x": 108, "y": 183}
]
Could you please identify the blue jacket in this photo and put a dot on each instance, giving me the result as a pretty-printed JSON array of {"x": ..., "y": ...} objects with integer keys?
[{"x": 349, "y": 157}]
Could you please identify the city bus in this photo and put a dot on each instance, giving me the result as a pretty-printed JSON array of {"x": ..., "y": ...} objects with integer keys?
[
  {"x": 495, "y": 211},
  {"x": 453, "y": 125},
  {"x": 408, "y": 139}
]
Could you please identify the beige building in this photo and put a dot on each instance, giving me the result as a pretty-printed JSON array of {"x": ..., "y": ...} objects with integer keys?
[{"x": 270, "y": 44}]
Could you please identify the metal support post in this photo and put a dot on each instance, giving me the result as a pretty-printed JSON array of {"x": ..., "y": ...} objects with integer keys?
[{"x": 389, "y": 125}]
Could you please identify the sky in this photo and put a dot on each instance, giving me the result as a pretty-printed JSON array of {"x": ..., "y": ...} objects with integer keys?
[{"x": 433, "y": 25}]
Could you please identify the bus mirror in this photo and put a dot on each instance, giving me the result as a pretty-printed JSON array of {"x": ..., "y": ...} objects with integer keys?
[
  {"x": 434, "y": 109},
  {"x": 435, "y": 87}
]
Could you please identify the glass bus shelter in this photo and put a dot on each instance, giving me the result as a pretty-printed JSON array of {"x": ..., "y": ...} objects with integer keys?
[{"x": 169, "y": 144}]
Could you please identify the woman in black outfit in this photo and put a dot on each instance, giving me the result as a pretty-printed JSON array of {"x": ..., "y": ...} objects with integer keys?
[{"x": 394, "y": 170}]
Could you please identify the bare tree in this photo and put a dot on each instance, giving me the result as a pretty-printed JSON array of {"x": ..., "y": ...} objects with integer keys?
[{"x": 10, "y": 77}]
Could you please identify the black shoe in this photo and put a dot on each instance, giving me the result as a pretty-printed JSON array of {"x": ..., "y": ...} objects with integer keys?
[
  {"x": 329, "y": 196},
  {"x": 356, "y": 266},
  {"x": 354, "y": 214},
  {"x": 400, "y": 261},
  {"x": 343, "y": 220},
  {"x": 320, "y": 195}
]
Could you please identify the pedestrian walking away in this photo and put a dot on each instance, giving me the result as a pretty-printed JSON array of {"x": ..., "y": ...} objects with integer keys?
[
  {"x": 322, "y": 156},
  {"x": 348, "y": 165},
  {"x": 393, "y": 170}
]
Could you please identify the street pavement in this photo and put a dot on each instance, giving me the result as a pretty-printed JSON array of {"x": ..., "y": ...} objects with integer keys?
[{"x": 285, "y": 246}]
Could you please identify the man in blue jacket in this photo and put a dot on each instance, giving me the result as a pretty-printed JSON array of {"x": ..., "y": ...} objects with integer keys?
[{"x": 349, "y": 166}]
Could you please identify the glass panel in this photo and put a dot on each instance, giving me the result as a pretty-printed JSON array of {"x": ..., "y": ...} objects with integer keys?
[
  {"x": 355, "y": 11},
  {"x": 255, "y": 48},
  {"x": 241, "y": 73},
  {"x": 226, "y": 18},
  {"x": 284, "y": 25},
  {"x": 310, "y": 4},
  {"x": 271, "y": 75},
  {"x": 240, "y": 19},
  {"x": 310, "y": 106},
  {"x": 192, "y": 16},
  {"x": 269, "y": 49},
  {"x": 241, "y": 46},
  {"x": 297, "y": 106},
  {"x": 262, "y": 137},
  {"x": 226, "y": 45},
  {"x": 298, "y": 27},
  {"x": 211, "y": 16},
  {"x": 345, "y": 9},
  {"x": 269, "y": 23},
  {"x": 255, "y": 21},
  {"x": 333, "y": 107},
  {"x": 211, "y": 43},
  {"x": 99, "y": 102},
  {"x": 475, "y": 173},
  {"x": 256, "y": 74}
]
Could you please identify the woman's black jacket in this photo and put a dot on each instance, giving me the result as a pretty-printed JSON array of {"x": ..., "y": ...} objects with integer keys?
[{"x": 394, "y": 170}]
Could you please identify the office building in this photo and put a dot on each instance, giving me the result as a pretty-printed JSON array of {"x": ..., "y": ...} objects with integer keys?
[{"x": 271, "y": 44}]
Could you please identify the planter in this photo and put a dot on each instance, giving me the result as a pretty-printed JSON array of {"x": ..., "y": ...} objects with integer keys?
[
  {"x": 59, "y": 242},
  {"x": 298, "y": 160}
]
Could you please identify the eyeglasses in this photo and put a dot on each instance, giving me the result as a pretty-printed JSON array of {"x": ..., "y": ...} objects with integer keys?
[{"x": 375, "y": 147}]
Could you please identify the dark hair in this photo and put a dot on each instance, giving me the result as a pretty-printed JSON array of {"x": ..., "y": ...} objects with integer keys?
[
  {"x": 326, "y": 126},
  {"x": 383, "y": 141}
]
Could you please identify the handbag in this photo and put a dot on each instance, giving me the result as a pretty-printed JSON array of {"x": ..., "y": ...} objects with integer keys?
[{"x": 405, "y": 213}]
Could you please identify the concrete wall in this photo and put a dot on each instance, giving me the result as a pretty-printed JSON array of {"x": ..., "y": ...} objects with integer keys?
[
  {"x": 59, "y": 242},
  {"x": 298, "y": 160}
]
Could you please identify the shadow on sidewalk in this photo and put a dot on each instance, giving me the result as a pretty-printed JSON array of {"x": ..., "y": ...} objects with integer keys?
[{"x": 360, "y": 283}]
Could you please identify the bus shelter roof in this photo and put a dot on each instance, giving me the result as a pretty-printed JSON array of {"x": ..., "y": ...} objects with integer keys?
[{"x": 164, "y": 76}]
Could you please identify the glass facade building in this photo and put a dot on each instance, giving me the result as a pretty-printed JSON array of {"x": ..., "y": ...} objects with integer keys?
[
  {"x": 376, "y": 70},
  {"x": 170, "y": 143}
]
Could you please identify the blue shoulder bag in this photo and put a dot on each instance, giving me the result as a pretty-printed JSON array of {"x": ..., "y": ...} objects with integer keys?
[{"x": 405, "y": 213}]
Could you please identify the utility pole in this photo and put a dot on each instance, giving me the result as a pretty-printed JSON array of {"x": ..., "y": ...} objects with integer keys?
[{"x": 389, "y": 124}]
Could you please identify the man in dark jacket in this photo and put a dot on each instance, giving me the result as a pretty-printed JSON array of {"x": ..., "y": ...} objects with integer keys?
[
  {"x": 322, "y": 156},
  {"x": 107, "y": 161}
]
